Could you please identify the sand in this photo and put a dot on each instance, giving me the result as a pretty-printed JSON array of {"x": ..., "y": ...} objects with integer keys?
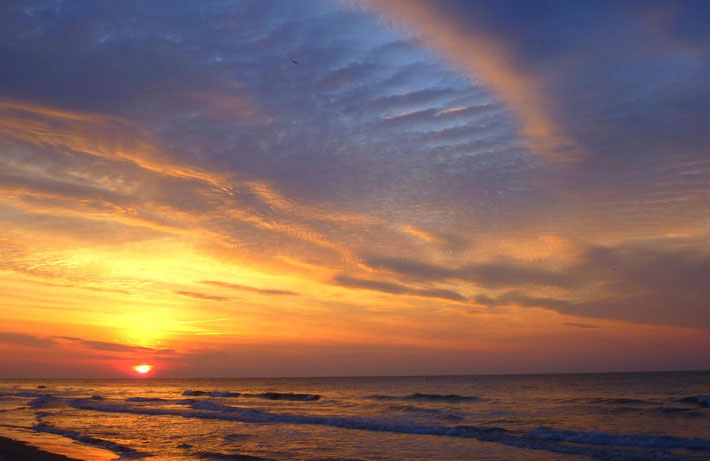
[{"x": 13, "y": 450}]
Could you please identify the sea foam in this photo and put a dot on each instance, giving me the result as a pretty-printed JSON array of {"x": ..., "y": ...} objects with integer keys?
[{"x": 597, "y": 444}]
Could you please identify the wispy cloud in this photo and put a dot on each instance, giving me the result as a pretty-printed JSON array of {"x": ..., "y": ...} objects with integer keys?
[
  {"x": 393, "y": 288},
  {"x": 580, "y": 325},
  {"x": 487, "y": 274},
  {"x": 193, "y": 294},
  {"x": 263, "y": 291},
  {"x": 659, "y": 284},
  {"x": 19, "y": 339}
]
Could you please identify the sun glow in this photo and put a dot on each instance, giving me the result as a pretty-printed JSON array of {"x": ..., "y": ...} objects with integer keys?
[{"x": 143, "y": 369}]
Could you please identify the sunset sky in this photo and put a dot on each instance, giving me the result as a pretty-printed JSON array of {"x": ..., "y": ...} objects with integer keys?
[{"x": 454, "y": 187}]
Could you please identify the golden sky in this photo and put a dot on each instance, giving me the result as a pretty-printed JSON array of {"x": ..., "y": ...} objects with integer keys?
[{"x": 426, "y": 190}]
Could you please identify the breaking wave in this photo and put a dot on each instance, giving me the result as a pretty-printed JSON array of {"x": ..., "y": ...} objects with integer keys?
[
  {"x": 285, "y": 396},
  {"x": 701, "y": 400},
  {"x": 596, "y": 444},
  {"x": 263, "y": 395},
  {"x": 194, "y": 393}
]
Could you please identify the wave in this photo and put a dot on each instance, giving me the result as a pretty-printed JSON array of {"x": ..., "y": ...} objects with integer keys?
[
  {"x": 603, "y": 438},
  {"x": 263, "y": 395},
  {"x": 595, "y": 444},
  {"x": 236, "y": 437},
  {"x": 29, "y": 394},
  {"x": 618, "y": 401},
  {"x": 669, "y": 411},
  {"x": 210, "y": 406},
  {"x": 285, "y": 396},
  {"x": 194, "y": 393},
  {"x": 683, "y": 412},
  {"x": 224, "y": 394},
  {"x": 232, "y": 456},
  {"x": 413, "y": 409},
  {"x": 144, "y": 399},
  {"x": 44, "y": 401},
  {"x": 701, "y": 400},
  {"x": 429, "y": 397},
  {"x": 121, "y": 450},
  {"x": 190, "y": 393}
]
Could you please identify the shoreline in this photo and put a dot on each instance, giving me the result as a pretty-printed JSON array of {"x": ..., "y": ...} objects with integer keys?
[{"x": 15, "y": 450}]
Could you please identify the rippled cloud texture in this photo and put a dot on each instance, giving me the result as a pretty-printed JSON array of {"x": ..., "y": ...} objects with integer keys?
[{"x": 239, "y": 188}]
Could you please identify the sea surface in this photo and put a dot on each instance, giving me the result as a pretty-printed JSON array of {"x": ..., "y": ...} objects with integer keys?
[{"x": 614, "y": 416}]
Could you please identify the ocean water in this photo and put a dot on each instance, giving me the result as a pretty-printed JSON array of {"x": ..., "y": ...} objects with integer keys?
[{"x": 622, "y": 416}]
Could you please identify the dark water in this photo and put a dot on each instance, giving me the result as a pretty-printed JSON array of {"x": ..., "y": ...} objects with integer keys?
[{"x": 622, "y": 416}]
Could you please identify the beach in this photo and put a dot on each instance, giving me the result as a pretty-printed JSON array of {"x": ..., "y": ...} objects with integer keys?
[{"x": 13, "y": 450}]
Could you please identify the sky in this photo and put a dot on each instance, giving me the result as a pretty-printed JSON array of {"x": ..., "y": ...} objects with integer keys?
[{"x": 337, "y": 188}]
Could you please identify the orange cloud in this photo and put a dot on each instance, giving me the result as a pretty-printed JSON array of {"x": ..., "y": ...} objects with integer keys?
[
  {"x": 423, "y": 235},
  {"x": 72, "y": 134}
]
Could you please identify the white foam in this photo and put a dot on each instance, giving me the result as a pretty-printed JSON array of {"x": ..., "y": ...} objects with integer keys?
[{"x": 538, "y": 439}]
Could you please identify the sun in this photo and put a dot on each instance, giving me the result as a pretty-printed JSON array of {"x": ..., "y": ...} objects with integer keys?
[{"x": 143, "y": 369}]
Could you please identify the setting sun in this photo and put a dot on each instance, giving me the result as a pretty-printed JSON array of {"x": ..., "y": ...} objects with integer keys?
[{"x": 142, "y": 369}]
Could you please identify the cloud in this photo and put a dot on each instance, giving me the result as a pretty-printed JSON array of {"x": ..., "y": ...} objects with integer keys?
[
  {"x": 528, "y": 55},
  {"x": 485, "y": 274},
  {"x": 447, "y": 241},
  {"x": 629, "y": 113},
  {"x": 452, "y": 30},
  {"x": 21, "y": 339},
  {"x": 113, "y": 347},
  {"x": 663, "y": 283},
  {"x": 579, "y": 325},
  {"x": 393, "y": 288},
  {"x": 263, "y": 291},
  {"x": 193, "y": 294}
]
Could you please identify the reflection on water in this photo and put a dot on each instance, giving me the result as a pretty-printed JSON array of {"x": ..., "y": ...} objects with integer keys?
[{"x": 604, "y": 416}]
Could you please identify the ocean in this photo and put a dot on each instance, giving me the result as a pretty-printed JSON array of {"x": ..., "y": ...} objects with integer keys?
[{"x": 610, "y": 416}]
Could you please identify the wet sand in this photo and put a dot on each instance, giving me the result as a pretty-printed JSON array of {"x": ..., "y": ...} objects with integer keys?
[{"x": 13, "y": 450}]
